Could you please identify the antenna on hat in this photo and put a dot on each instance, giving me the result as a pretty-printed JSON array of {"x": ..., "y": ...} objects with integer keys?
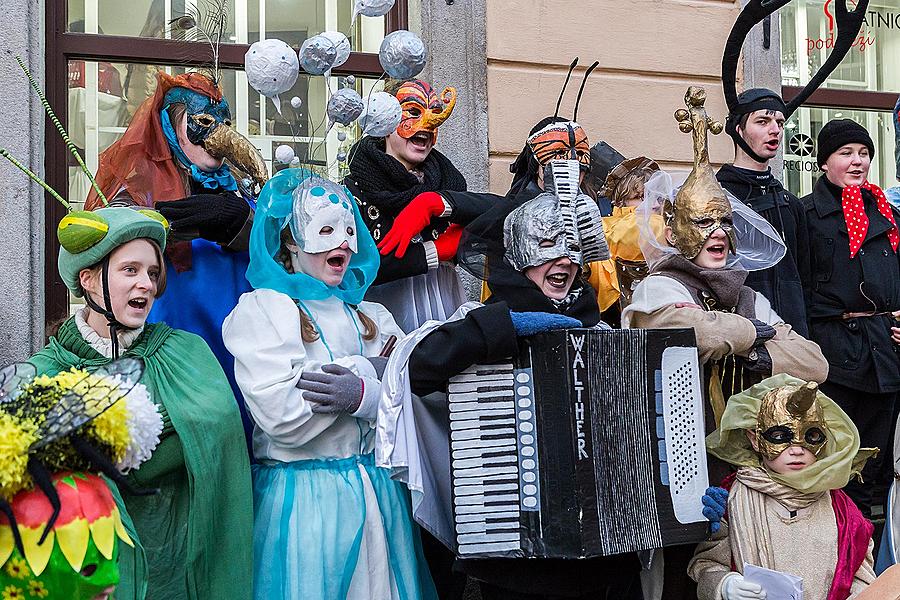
[
  {"x": 565, "y": 85},
  {"x": 581, "y": 89}
]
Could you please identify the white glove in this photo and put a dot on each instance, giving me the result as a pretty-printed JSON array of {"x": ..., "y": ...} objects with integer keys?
[{"x": 734, "y": 587}]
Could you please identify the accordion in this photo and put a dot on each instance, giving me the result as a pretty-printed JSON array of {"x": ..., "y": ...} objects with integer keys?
[{"x": 588, "y": 443}]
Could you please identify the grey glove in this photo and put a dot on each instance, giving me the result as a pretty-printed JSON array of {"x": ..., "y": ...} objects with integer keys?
[
  {"x": 336, "y": 389},
  {"x": 379, "y": 363},
  {"x": 764, "y": 332}
]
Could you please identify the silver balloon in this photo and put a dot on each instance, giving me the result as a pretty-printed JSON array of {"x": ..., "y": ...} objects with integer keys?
[
  {"x": 344, "y": 106},
  {"x": 295, "y": 162},
  {"x": 342, "y": 135},
  {"x": 372, "y": 8},
  {"x": 349, "y": 81},
  {"x": 317, "y": 55},
  {"x": 296, "y": 102},
  {"x": 341, "y": 45},
  {"x": 341, "y": 156},
  {"x": 402, "y": 55},
  {"x": 382, "y": 115},
  {"x": 284, "y": 154},
  {"x": 272, "y": 68}
]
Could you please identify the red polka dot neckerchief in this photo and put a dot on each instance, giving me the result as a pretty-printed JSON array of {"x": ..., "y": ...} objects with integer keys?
[{"x": 857, "y": 220}]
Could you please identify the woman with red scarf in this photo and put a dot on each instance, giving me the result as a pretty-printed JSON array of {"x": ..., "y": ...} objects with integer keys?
[{"x": 852, "y": 288}]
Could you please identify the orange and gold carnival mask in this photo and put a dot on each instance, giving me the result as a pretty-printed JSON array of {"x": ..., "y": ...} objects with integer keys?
[
  {"x": 562, "y": 140},
  {"x": 422, "y": 109}
]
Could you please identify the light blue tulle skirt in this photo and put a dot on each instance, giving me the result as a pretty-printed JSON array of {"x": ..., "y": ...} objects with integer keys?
[{"x": 308, "y": 530}]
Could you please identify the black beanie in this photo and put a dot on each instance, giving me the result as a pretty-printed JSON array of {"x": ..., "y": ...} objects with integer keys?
[{"x": 837, "y": 133}]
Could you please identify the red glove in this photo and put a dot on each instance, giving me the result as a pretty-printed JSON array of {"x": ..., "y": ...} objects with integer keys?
[
  {"x": 447, "y": 243},
  {"x": 410, "y": 222}
]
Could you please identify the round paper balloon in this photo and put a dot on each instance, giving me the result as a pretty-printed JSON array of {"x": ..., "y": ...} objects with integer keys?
[
  {"x": 402, "y": 55},
  {"x": 317, "y": 55},
  {"x": 341, "y": 45},
  {"x": 272, "y": 68},
  {"x": 382, "y": 115},
  {"x": 344, "y": 106},
  {"x": 284, "y": 154},
  {"x": 372, "y": 8}
]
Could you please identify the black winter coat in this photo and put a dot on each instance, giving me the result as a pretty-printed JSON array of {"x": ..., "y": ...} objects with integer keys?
[
  {"x": 780, "y": 284},
  {"x": 860, "y": 351}
]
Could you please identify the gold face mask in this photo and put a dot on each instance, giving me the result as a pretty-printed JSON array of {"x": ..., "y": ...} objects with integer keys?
[
  {"x": 791, "y": 416},
  {"x": 701, "y": 206}
]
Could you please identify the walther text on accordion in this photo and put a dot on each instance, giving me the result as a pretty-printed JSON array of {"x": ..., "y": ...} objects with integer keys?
[{"x": 589, "y": 443}]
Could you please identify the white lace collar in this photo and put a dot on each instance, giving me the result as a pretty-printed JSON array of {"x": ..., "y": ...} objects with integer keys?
[{"x": 99, "y": 343}]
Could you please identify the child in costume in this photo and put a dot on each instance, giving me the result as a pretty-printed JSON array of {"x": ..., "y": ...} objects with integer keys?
[
  {"x": 192, "y": 538},
  {"x": 329, "y": 524},
  {"x": 615, "y": 279},
  {"x": 61, "y": 530},
  {"x": 794, "y": 449},
  {"x": 405, "y": 190},
  {"x": 693, "y": 281}
]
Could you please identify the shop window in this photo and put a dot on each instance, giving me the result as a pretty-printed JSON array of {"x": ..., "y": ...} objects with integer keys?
[
  {"x": 100, "y": 64},
  {"x": 864, "y": 87}
]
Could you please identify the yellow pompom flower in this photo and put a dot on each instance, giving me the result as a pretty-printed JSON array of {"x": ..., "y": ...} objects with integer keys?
[
  {"x": 111, "y": 428},
  {"x": 16, "y": 437},
  {"x": 17, "y": 568}
]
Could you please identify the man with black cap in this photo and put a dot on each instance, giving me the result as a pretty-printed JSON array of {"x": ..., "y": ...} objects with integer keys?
[
  {"x": 853, "y": 286},
  {"x": 756, "y": 124}
]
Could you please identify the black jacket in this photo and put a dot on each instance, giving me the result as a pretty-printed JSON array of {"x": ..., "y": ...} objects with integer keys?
[
  {"x": 383, "y": 187},
  {"x": 780, "y": 284},
  {"x": 860, "y": 351}
]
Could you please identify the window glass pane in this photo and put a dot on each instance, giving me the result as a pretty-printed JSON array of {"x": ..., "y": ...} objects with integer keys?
[
  {"x": 800, "y": 168},
  {"x": 807, "y": 35},
  {"x": 248, "y": 20}
]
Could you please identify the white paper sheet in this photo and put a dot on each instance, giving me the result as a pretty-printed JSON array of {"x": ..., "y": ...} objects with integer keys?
[{"x": 778, "y": 585}]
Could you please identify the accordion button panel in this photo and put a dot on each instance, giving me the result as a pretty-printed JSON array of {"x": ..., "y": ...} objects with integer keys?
[{"x": 683, "y": 468}]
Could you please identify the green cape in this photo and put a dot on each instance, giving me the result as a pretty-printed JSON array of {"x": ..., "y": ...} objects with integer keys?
[{"x": 212, "y": 481}]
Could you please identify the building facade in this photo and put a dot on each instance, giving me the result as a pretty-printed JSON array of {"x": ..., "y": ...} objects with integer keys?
[{"x": 508, "y": 59}]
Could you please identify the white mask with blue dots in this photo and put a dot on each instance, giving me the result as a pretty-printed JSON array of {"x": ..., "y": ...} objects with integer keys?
[{"x": 323, "y": 216}]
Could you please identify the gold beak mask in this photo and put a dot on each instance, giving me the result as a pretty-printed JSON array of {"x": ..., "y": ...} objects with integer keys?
[
  {"x": 701, "y": 205},
  {"x": 225, "y": 142}
]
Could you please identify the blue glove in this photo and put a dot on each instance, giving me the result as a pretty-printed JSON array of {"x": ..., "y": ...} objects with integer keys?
[
  {"x": 531, "y": 323},
  {"x": 715, "y": 501}
]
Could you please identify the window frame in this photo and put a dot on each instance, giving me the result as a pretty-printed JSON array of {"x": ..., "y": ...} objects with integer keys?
[{"x": 63, "y": 46}]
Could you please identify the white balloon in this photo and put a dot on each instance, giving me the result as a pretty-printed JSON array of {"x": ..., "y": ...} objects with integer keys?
[
  {"x": 382, "y": 115},
  {"x": 341, "y": 45},
  {"x": 296, "y": 102},
  {"x": 284, "y": 154},
  {"x": 402, "y": 55},
  {"x": 371, "y": 8},
  {"x": 344, "y": 106},
  {"x": 272, "y": 68},
  {"x": 295, "y": 162},
  {"x": 317, "y": 55}
]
